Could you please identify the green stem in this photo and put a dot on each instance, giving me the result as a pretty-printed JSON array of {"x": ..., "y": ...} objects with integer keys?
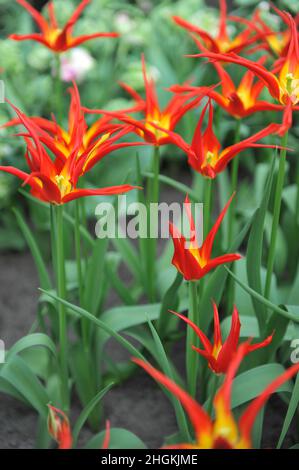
[
  {"x": 191, "y": 339},
  {"x": 276, "y": 214},
  {"x": 153, "y": 198},
  {"x": 58, "y": 89},
  {"x": 213, "y": 390},
  {"x": 61, "y": 291},
  {"x": 207, "y": 208},
  {"x": 234, "y": 185}
]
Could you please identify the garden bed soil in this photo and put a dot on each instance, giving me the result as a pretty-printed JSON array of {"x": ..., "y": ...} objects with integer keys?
[{"x": 137, "y": 405}]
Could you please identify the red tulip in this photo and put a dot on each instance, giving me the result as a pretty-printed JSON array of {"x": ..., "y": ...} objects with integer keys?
[
  {"x": 282, "y": 81},
  {"x": 205, "y": 154},
  {"x": 240, "y": 101},
  {"x": 56, "y": 181},
  {"x": 222, "y": 42},
  {"x": 59, "y": 428},
  {"x": 157, "y": 122},
  {"x": 91, "y": 143},
  {"x": 192, "y": 261},
  {"x": 220, "y": 354},
  {"x": 223, "y": 432},
  {"x": 51, "y": 35}
]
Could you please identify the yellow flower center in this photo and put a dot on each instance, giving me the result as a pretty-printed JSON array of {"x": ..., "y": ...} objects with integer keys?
[{"x": 63, "y": 184}]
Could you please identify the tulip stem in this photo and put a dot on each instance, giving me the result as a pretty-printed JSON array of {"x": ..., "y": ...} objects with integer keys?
[
  {"x": 61, "y": 291},
  {"x": 234, "y": 185},
  {"x": 192, "y": 340},
  {"x": 58, "y": 98},
  {"x": 207, "y": 205},
  {"x": 84, "y": 324},
  {"x": 153, "y": 224},
  {"x": 213, "y": 389},
  {"x": 276, "y": 213}
]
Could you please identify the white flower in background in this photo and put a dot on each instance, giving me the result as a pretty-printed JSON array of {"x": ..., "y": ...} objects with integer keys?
[{"x": 75, "y": 64}]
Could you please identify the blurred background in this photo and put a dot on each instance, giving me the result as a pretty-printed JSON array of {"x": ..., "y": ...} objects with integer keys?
[{"x": 145, "y": 26}]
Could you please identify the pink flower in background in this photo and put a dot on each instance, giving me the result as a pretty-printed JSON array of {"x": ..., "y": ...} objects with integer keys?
[{"x": 76, "y": 64}]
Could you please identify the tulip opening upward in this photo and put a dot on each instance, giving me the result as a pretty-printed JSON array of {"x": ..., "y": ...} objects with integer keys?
[
  {"x": 224, "y": 431},
  {"x": 220, "y": 354},
  {"x": 192, "y": 261},
  {"x": 51, "y": 35}
]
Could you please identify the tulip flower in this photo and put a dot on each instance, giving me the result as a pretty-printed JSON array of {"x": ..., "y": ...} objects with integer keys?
[
  {"x": 282, "y": 82},
  {"x": 56, "y": 181},
  {"x": 51, "y": 35},
  {"x": 157, "y": 122},
  {"x": 205, "y": 154},
  {"x": 59, "y": 428},
  {"x": 240, "y": 101},
  {"x": 222, "y": 42},
  {"x": 220, "y": 354},
  {"x": 192, "y": 261},
  {"x": 224, "y": 431},
  {"x": 92, "y": 143},
  {"x": 274, "y": 41}
]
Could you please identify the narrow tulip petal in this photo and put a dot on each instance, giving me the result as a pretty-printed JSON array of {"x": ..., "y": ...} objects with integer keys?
[
  {"x": 230, "y": 345},
  {"x": 262, "y": 344},
  {"x": 77, "y": 193},
  {"x": 199, "y": 418},
  {"x": 74, "y": 42},
  {"x": 249, "y": 415},
  {"x": 217, "y": 330},
  {"x": 106, "y": 441},
  {"x": 29, "y": 37},
  {"x": 268, "y": 78},
  {"x": 38, "y": 18},
  {"x": 206, "y": 248},
  {"x": 203, "y": 338}
]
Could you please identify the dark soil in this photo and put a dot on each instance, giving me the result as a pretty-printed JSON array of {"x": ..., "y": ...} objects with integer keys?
[{"x": 137, "y": 405}]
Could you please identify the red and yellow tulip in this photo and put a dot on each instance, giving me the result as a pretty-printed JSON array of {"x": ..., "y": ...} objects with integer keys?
[
  {"x": 59, "y": 428},
  {"x": 205, "y": 155},
  {"x": 92, "y": 143},
  {"x": 51, "y": 34},
  {"x": 157, "y": 122},
  {"x": 222, "y": 43},
  {"x": 192, "y": 261},
  {"x": 56, "y": 181},
  {"x": 220, "y": 354},
  {"x": 282, "y": 81},
  {"x": 238, "y": 101},
  {"x": 224, "y": 431}
]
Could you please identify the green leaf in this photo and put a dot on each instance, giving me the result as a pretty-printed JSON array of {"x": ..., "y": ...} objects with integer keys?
[
  {"x": 255, "y": 249},
  {"x": 86, "y": 412},
  {"x": 95, "y": 275},
  {"x": 267, "y": 303},
  {"x": 20, "y": 376},
  {"x": 119, "y": 438},
  {"x": 170, "y": 302},
  {"x": 292, "y": 408},
  {"x": 251, "y": 383},
  {"x": 100, "y": 324},
  {"x": 32, "y": 341},
  {"x": 37, "y": 256},
  {"x": 167, "y": 369},
  {"x": 176, "y": 185}
]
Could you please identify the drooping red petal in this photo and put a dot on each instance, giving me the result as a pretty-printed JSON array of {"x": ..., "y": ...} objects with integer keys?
[
  {"x": 203, "y": 338},
  {"x": 249, "y": 415},
  {"x": 206, "y": 248},
  {"x": 106, "y": 441},
  {"x": 77, "y": 193},
  {"x": 38, "y": 18},
  {"x": 198, "y": 416}
]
